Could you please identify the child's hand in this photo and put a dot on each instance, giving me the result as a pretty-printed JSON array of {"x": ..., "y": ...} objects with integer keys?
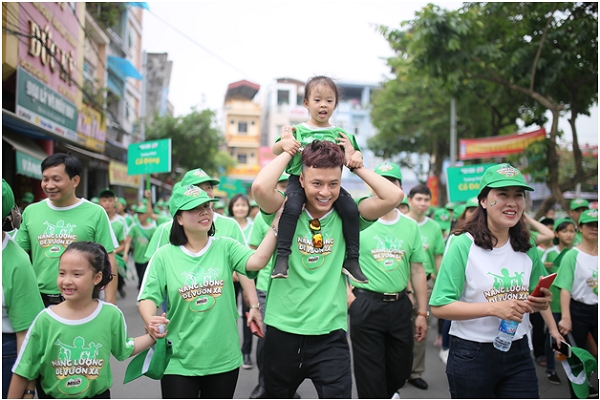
[
  {"x": 158, "y": 326},
  {"x": 356, "y": 160},
  {"x": 288, "y": 141}
]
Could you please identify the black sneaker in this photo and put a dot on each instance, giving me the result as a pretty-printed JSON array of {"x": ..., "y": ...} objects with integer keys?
[
  {"x": 352, "y": 269},
  {"x": 593, "y": 392},
  {"x": 552, "y": 377},
  {"x": 281, "y": 267},
  {"x": 247, "y": 363}
]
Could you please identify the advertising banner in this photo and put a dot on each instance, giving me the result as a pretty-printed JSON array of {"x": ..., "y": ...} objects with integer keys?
[
  {"x": 28, "y": 166},
  {"x": 149, "y": 157},
  {"x": 498, "y": 146},
  {"x": 117, "y": 175},
  {"x": 91, "y": 129},
  {"x": 463, "y": 182}
]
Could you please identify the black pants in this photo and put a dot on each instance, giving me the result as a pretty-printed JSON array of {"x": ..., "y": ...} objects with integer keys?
[
  {"x": 382, "y": 345},
  {"x": 289, "y": 359},
  {"x": 538, "y": 335},
  {"x": 217, "y": 386},
  {"x": 140, "y": 268},
  {"x": 344, "y": 205},
  {"x": 247, "y": 339}
]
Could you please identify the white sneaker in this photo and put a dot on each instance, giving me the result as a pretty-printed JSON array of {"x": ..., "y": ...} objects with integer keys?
[
  {"x": 444, "y": 355},
  {"x": 396, "y": 395}
]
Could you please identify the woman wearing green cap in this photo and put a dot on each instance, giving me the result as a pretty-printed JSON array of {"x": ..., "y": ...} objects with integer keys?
[
  {"x": 578, "y": 283},
  {"x": 486, "y": 276},
  {"x": 195, "y": 273}
]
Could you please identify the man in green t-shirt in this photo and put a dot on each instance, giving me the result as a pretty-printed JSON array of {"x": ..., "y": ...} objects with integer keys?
[
  {"x": 108, "y": 201},
  {"x": 419, "y": 200},
  {"x": 391, "y": 255},
  {"x": 578, "y": 206},
  {"x": 306, "y": 315},
  {"x": 50, "y": 225}
]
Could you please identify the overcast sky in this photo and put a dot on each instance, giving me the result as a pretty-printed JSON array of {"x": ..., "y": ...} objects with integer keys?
[{"x": 262, "y": 41}]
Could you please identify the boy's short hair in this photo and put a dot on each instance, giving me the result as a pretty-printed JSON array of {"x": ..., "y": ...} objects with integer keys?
[{"x": 419, "y": 189}]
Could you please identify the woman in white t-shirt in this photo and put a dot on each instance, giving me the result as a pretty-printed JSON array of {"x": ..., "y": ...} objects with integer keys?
[{"x": 486, "y": 276}]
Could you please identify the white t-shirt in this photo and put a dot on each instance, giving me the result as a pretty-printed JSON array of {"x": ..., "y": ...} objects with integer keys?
[{"x": 472, "y": 274}]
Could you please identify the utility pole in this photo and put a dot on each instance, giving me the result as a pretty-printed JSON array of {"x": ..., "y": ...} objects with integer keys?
[{"x": 453, "y": 132}]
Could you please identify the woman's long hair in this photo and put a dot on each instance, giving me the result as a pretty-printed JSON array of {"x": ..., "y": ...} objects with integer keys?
[{"x": 519, "y": 236}]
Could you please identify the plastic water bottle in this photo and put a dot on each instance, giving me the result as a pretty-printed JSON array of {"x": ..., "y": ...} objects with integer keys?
[{"x": 506, "y": 332}]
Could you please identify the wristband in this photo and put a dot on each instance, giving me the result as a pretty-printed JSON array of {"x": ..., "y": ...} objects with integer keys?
[
  {"x": 29, "y": 391},
  {"x": 257, "y": 306},
  {"x": 423, "y": 314}
]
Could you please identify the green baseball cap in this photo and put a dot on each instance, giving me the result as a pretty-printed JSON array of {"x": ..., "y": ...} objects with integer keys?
[
  {"x": 284, "y": 177},
  {"x": 107, "y": 192},
  {"x": 141, "y": 208},
  {"x": 219, "y": 205},
  {"x": 450, "y": 206},
  {"x": 27, "y": 197},
  {"x": 561, "y": 220},
  {"x": 389, "y": 170},
  {"x": 442, "y": 217},
  {"x": 8, "y": 199},
  {"x": 134, "y": 208},
  {"x": 187, "y": 198},
  {"x": 404, "y": 200},
  {"x": 95, "y": 200},
  {"x": 196, "y": 177},
  {"x": 151, "y": 362},
  {"x": 122, "y": 201},
  {"x": 588, "y": 217},
  {"x": 459, "y": 210},
  {"x": 579, "y": 203},
  {"x": 160, "y": 203},
  {"x": 502, "y": 175},
  {"x": 472, "y": 202},
  {"x": 579, "y": 368}
]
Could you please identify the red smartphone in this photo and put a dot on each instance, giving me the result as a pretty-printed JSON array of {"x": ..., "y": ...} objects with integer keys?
[
  {"x": 255, "y": 329},
  {"x": 544, "y": 282}
]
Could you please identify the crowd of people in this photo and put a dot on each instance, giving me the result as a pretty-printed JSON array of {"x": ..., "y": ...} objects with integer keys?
[{"x": 309, "y": 267}]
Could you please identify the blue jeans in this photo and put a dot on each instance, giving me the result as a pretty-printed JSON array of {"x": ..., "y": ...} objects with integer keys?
[
  {"x": 478, "y": 370},
  {"x": 9, "y": 356}
]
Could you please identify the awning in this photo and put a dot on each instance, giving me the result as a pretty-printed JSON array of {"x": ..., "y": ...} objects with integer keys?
[
  {"x": 24, "y": 145},
  {"x": 87, "y": 153},
  {"x": 141, "y": 4},
  {"x": 123, "y": 68},
  {"x": 29, "y": 155}
]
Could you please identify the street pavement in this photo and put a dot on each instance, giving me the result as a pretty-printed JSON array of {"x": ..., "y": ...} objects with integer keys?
[{"x": 145, "y": 388}]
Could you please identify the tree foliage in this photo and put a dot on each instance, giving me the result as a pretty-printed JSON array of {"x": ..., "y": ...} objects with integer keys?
[
  {"x": 544, "y": 54},
  {"x": 195, "y": 142}
]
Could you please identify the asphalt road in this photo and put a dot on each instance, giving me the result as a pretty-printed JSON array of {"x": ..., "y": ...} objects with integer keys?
[{"x": 145, "y": 388}]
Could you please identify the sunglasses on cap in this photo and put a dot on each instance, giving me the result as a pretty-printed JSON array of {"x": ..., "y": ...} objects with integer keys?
[{"x": 317, "y": 236}]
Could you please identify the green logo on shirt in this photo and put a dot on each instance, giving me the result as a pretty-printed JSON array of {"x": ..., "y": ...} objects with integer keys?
[
  {"x": 507, "y": 287},
  {"x": 76, "y": 365},
  {"x": 388, "y": 252},
  {"x": 593, "y": 281},
  {"x": 201, "y": 287},
  {"x": 56, "y": 238}
]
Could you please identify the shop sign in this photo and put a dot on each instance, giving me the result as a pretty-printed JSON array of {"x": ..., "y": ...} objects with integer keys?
[
  {"x": 51, "y": 52},
  {"x": 91, "y": 129},
  {"x": 231, "y": 186},
  {"x": 117, "y": 175},
  {"x": 44, "y": 107},
  {"x": 463, "y": 182},
  {"x": 434, "y": 186},
  {"x": 28, "y": 166},
  {"x": 149, "y": 157}
]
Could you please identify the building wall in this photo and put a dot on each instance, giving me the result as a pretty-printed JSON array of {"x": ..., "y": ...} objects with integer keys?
[{"x": 242, "y": 134}]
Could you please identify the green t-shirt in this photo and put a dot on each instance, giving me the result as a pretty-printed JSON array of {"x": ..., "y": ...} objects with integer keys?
[
  {"x": 119, "y": 228},
  {"x": 259, "y": 231},
  {"x": 247, "y": 230},
  {"x": 200, "y": 304},
  {"x": 141, "y": 238},
  {"x": 21, "y": 300},
  {"x": 73, "y": 356},
  {"x": 306, "y": 134},
  {"x": 159, "y": 239},
  {"x": 578, "y": 274},
  {"x": 12, "y": 233},
  {"x": 386, "y": 250},
  {"x": 128, "y": 220},
  {"x": 551, "y": 256},
  {"x": 433, "y": 243},
  {"x": 312, "y": 300},
  {"x": 472, "y": 274},
  {"x": 47, "y": 230},
  {"x": 578, "y": 238},
  {"x": 164, "y": 218}
]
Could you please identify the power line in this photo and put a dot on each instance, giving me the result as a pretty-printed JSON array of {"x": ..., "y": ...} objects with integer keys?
[{"x": 210, "y": 52}]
